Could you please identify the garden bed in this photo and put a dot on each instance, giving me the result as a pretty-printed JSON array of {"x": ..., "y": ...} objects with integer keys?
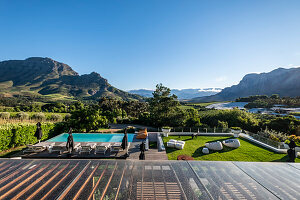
[{"x": 246, "y": 152}]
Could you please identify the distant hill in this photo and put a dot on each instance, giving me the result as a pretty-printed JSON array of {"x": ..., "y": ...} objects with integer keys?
[
  {"x": 43, "y": 76},
  {"x": 181, "y": 94},
  {"x": 285, "y": 82}
]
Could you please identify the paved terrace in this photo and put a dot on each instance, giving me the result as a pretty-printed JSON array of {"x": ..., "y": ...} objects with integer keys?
[{"x": 124, "y": 179}]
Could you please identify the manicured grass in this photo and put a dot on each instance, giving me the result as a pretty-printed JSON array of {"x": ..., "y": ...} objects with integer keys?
[
  {"x": 12, "y": 152},
  {"x": 246, "y": 152}
]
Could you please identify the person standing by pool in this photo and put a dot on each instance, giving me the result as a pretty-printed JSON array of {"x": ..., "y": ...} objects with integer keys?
[
  {"x": 125, "y": 142},
  {"x": 70, "y": 142}
]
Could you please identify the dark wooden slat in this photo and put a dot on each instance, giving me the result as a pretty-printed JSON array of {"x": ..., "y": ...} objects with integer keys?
[
  {"x": 23, "y": 182},
  {"x": 97, "y": 183},
  {"x": 34, "y": 183},
  {"x": 46, "y": 183},
  {"x": 18, "y": 178},
  {"x": 73, "y": 183},
  {"x": 59, "y": 182},
  {"x": 117, "y": 193},
  {"x": 86, "y": 181},
  {"x": 105, "y": 189}
]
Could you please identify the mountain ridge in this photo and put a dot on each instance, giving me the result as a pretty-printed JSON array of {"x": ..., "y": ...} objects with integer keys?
[
  {"x": 282, "y": 81},
  {"x": 45, "y": 76},
  {"x": 180, "y": 93}
]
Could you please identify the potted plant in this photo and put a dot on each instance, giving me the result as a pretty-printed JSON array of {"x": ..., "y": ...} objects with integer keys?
[
  {"x": 236, "y": 131},
  {"x": 166, "y": 130}
]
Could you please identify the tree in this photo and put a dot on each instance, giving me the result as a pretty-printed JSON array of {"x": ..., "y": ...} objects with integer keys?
[
  {"x": 87, "y": 119},
  {"x": 275, "y": 96},
  {"x": 164, "y": 108}
]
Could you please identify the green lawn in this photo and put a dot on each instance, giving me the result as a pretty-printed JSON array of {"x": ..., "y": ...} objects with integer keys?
[
  {"x": 11, "y": 152},
  {"x": 246, "y": 152}
]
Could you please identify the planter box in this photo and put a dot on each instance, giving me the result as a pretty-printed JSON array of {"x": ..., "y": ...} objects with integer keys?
[
  {"x": 236, "y": 133},
  {"x": 166, "y": 131}
]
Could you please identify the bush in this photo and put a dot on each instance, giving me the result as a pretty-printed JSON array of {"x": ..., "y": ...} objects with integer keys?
[
  {"x": 22, "y": 116},
  {"x": 295, "y": 138},
  {"x": 56, "y": 117},
  {"x": 235, "y": 128},
  {"x": 39, "y": 116},
  {"x": 5, "y": 115},
  {"x": 12, "y": 135},
  {"x": 130, "y": 129},
  {"x": 67, "y": 116}
]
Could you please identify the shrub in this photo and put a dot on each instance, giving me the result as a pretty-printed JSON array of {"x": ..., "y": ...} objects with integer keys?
[
  {"x": 235, "y": 128},
  {"x": 56, "y": 117},
  {"x": 39, "y": 116},
  {"x": 295, "y": 138},
  {"x": 67, "y": 116},
  {"x": 222, "y": 124},
  {"x": 22, "y": 116},
  {"x": 166, "y": 127},
  {"x": 273, "y": 135},
  {"x": 5, "y": 115},
  {"x": 130, "y": 129},
  {"x": 12, "y": 135}
]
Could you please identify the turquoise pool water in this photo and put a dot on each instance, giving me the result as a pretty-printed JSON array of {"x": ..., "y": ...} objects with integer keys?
[{"x": 92, "y": 137}]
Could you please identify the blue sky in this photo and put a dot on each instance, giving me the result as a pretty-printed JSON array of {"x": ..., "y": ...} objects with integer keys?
[{"x": 137, "y": 44}]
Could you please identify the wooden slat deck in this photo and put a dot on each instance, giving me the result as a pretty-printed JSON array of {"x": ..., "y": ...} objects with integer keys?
[{"x": 151, "y": 180}]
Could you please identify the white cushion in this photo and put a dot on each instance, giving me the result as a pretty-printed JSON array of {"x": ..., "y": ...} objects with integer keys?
[
  {"x": 179, "y": 141},
  {"x": 205, "y": 150},
  {"x": 233, "y": 143},
  {"x": 171, "y": 144},
  {"x": 217, "y": 146},
  {"x": 179, "y": 145},
  {"x": 173, "y": 140}
]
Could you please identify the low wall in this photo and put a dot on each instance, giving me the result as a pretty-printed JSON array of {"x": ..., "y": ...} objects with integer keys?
[
  {"x": 249, "y": 138},
  {"x": 152, "y": 136},
  {"x": 160, "y": 143},
  {"x": 200, "y": 134}
]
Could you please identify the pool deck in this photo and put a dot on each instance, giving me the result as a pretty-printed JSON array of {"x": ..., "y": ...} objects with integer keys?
[{"x": 133, "y": 151}]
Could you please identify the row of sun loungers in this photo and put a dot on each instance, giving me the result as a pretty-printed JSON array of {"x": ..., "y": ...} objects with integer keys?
[{"x": 99, "y": 148}]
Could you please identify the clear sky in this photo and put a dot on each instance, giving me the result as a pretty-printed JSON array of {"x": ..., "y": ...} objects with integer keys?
[{"x": 137, "y": 44}]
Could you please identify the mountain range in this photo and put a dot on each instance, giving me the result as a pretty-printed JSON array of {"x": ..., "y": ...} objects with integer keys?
[
  {"x": 285, "y": 82},
  {"x": 181, "y": 94},
  {"x": 38, "y": 76},
  {"x": 45, "y": 77}
]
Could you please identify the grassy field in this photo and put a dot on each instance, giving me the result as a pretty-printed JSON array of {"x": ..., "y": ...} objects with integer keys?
[
  {"x": 246, "y": 152},
  {"x": 207, "y": 104},
  {"x": 47, "y": 114}
]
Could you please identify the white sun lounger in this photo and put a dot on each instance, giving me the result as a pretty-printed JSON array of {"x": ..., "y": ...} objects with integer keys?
[
  {"x": 34, "y": 149},
  {"x": 101, "y": 148},
  {"x": 37, "y": 147},
  {"x": 61, "y": 147},
  {"x": 87, "y": 148},
  {"x": 116, "y": 147}
]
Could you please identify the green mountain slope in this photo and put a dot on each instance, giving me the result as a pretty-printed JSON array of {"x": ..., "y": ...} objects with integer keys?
[{"x": 48, "y": 78}]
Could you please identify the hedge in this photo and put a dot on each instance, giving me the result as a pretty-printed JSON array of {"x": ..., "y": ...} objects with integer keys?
[{"x": 13, "y": 135}]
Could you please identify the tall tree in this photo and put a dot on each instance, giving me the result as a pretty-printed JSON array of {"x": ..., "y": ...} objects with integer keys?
[{"x": 164, "y": 107}]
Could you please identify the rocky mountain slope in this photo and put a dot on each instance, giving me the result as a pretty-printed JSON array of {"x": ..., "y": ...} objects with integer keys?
[
  {"x": 285, "y": 82},
  {"x": 44, "y": 76}
]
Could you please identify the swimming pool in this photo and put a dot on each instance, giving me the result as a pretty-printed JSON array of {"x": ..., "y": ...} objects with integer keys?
[{"x": 92, "y": 137}]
